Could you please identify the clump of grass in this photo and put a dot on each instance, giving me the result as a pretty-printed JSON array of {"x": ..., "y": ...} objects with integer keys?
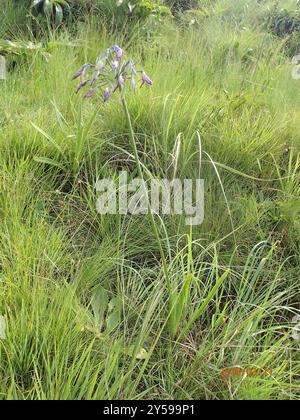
[{"x": 90, "y": 308}]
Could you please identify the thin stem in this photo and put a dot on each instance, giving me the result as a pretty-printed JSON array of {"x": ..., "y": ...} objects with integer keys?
[{"x": 141, "y": 175}]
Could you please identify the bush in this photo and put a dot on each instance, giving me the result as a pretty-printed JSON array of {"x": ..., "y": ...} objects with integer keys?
[
  {"x": 118, "y": 10},
  {"x": 285, "y": 24},
  {"x": 145, "y": 8},
  {"x": 182, "y": 5}
]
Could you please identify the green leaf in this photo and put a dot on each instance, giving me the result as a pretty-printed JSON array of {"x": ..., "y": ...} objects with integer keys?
[
  {"x": 199, "y": 311},
  {"x": 48, "y": 8},
  {"x": 58, "y": 14},
  {"x": 48, "y": 161},
  {"x": 114, "y": 316},
  {"x": 48, "y": 137},
  {"x": 112, "y": 322},
  {"x": 183, "y": 298},
  {"x": 99, "y": 304}
]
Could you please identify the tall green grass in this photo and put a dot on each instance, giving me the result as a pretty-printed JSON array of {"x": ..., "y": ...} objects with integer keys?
[{"x": 88, "y": 310}]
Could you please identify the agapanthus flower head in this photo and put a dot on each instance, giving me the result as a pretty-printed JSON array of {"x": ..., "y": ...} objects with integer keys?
[
  {"x": 119, "y": 52},
  {"x": 115, "y": 65},
  {"x": 110, "y": 74},
  {"x": 81, "y": 71},
  {"x": 146, "y": 79},
  {"x": 81, "y": 85},
  {"x": 107, "y": 94},
  {"x": 120, "y": 82}
]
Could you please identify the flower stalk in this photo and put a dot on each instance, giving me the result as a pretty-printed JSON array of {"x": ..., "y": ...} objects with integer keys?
[
  {"x": 111, "y": 74},
  {"x": 150, "y": 211}
]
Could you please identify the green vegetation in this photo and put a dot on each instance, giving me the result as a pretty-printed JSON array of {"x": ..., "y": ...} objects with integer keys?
[{"x": 88, "y": 310}]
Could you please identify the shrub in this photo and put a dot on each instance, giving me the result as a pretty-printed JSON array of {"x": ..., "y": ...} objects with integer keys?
[
  {"x": 51, "y": 9},
  {"x": 182, "y": 5},
  {"x": 131, "y": 9},
  {"x": 285, "y": 24},
  {"x": 145, "y": 8}
]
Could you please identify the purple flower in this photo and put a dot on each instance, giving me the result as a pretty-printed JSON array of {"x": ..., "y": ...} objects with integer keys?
[
  {"x": 81, "y": 85},
  {"x": 110, "y": 65},
  {"x": 82, "y": 70},
  {"x": 146, "y": 79},
  {"x": 119, "y": 52},
  {"x": 107, "y": 94},
  {"x": 115, "y": 65},
  {"x": 120, "y": 83},
  {"x": 90, "y": 93}
]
